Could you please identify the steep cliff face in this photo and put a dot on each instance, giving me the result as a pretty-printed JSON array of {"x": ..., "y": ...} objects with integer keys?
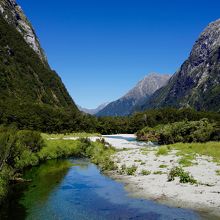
[
  {"x": 197, "y": 83},
  {"x": 14, "y": 15},
  {"x": 25, "y": 76},
  {"x": 136, "y": 96}
]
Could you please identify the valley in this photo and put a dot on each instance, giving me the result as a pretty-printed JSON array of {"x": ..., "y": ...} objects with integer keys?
[{"x": 152, "y": 154}]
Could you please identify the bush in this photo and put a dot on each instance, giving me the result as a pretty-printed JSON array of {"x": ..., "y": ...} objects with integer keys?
[
  {"x": 185, "y": 177},
  {"x": 145, "y": 172},
  {"x": 31, "y": 140},
  {"x": 185, "y": 131},
  {"x": 131, "y": 170}
]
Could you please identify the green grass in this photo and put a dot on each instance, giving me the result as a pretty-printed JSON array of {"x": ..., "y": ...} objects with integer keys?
[
  {"x": 211, "y": 149},
  {"x": 145, "y": 172},
  {"x": 159, "y": 172},
  {"x": 163, "y": 166},
  {"x": 187, "y": 160},
  {"x": 162, "y": 151},
  {"x": 68, "y": 135},
  {"x": 218, "y": 172},
  {"x": 138, "y": 161},
  {"x": 131, "y": 170},
  {"x": 60, "y": 148}
]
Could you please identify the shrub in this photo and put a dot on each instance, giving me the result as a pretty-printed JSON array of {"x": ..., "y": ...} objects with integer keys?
[
  {"x": 159, "y": 172},
  {"x": 184, "y": 131},
  {"x": 163, "y": 166},
  {"x": 131, "y": 170},
  {"x": 145, "y": 172},
  {"x": 185, "y": 177},
  {"x": 30, "y": 139},
  {"x": 218, "y": 172}
]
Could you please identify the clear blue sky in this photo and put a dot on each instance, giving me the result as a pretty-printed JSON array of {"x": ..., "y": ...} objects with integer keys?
[{"x": 102, "y": 48}]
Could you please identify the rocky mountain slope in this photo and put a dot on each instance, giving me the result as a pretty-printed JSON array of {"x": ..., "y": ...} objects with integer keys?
[
  {"x": 197, "y": 83},
  {"x": 93, "y": 111},
  {"x": 29, "y": 89},
  {"x": 136, "y": 96},
  {"x": 14, "y": 15}
]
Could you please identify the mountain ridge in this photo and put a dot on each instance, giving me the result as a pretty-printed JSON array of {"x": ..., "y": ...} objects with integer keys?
[
  {"x": 93, "y": 111},
  {"x": 15, "y": 16},
  {"x": 134, "y": 97},
  {"x": 197, "y": 83}
]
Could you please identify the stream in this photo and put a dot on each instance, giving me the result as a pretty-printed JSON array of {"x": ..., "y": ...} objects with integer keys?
[{"x": 73, "y": 189}]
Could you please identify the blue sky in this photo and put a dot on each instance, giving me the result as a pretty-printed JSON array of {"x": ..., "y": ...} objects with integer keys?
[{"x": 102, "y": 48}]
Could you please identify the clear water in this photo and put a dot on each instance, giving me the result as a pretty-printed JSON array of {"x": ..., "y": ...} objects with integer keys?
[
  {"x": 121, "y": 138},
  {"x": 78, "y": 191},
  {"x": 133, "y": 140}
]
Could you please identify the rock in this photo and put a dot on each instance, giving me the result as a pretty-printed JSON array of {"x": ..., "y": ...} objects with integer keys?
[{"x": 14, "y": 15}]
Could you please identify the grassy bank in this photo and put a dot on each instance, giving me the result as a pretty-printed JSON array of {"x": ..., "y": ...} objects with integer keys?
[
  {"x": 211, "y": 149},
  {"x": 70, "y": 135},
  {"x": 21, "y": 149}
]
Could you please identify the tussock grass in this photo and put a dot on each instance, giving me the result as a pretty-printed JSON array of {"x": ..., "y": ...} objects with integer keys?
[
  {"x": 163, "y": 166},
  {"x": 211, "y": 149},
  {"x": 218, "y": 172},
  {"x": 145, "y": 172},
  {"x": 131, "y": 170},
  {"x": 159, "y": 172},
  {"x": 162, "y": 151}
]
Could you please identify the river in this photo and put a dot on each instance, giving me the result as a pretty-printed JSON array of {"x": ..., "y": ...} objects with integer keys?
[{"x": 74, "y": 189}]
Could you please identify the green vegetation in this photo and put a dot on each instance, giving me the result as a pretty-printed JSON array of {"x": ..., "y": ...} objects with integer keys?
[
  {"x": 152, "y": 118},
  {"x": 184, "y": 131},
  {"x": 145, "y": 172},
  {"x": 163, "y": 166},
  {"x": 21, "y": 149},
  {"x": 138, "y": 161},
  {"x": 131, "y": 170},
  {"x": 162, "y": 151},
  {"x": 211, "y": 149},
  {"x": 158, "y": 172},
  {"x": 69, "y": 135},
  {"x": 186, "y": 159},
  {"x": 218, "y": 172},
  {"x": 185, "y": 177}
]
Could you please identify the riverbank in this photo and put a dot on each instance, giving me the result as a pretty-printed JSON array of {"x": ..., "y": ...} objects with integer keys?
[
  {"x": 145, "y": 172},
  {"x": 26, "y": 149}
]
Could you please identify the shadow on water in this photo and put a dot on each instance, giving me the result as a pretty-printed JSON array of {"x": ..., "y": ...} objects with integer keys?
[
  {"x": 75, "y": 189},
  {"x": 23, "y": 196}
]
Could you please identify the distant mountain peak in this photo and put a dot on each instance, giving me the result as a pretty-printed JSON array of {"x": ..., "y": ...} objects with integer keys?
[
  {"x": 93, "y": 111},
  {"x": 197, "y": 83},
  {"x": 142, "y": 91}
]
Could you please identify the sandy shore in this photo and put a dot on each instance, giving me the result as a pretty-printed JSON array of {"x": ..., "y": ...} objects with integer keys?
[{"x": 203, "y": 197}]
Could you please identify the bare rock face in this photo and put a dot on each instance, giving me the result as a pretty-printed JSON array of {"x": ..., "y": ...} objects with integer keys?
[
  {"x": 197, "y": 83},
  {"x": 14, "y": 15},
  {"x": 136, "y": 96}
]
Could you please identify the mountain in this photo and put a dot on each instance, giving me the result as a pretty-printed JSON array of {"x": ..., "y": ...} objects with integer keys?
[
  {"x": 197, "y": 83},
  {"x": 25, "y": 77},
  {"x": 93, "y": 111},
  {"x": 14, "y": 15},
  {"x": 136, "y": 96}
]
